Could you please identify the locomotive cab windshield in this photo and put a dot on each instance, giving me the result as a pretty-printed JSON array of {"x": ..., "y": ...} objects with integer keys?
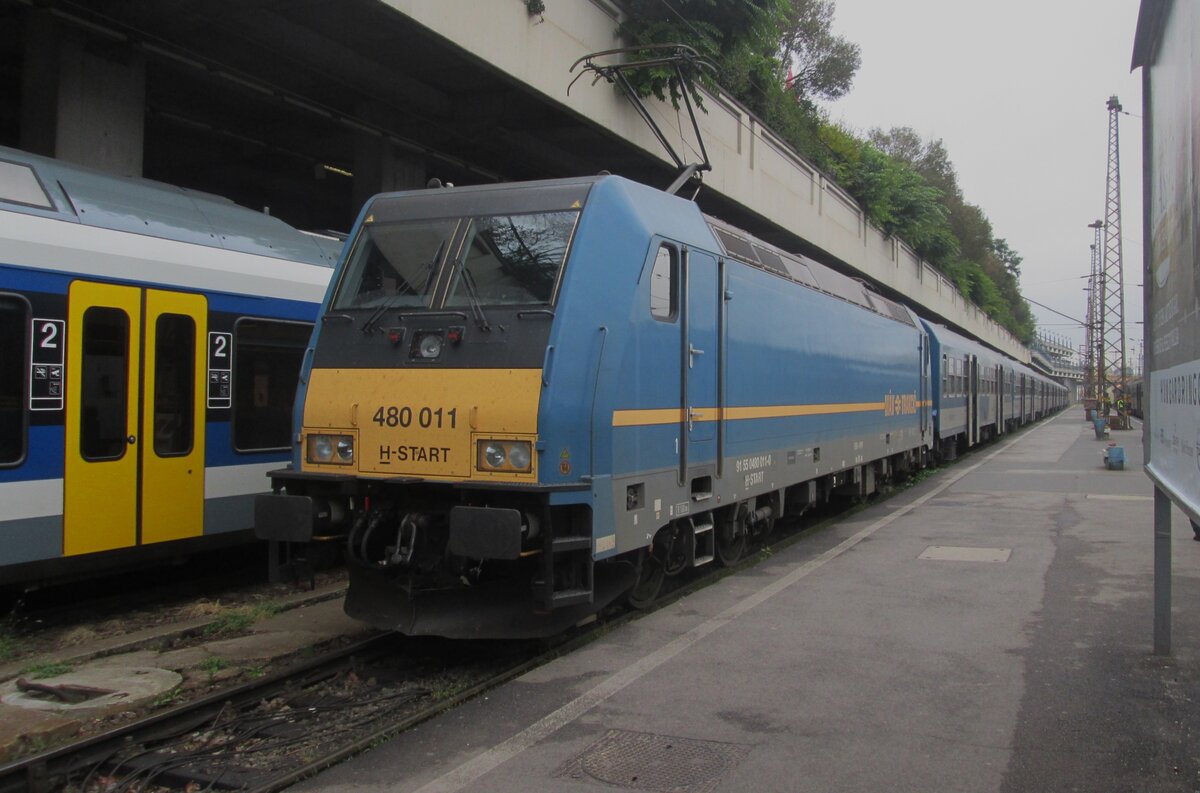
[{"x": 479, "y": 256}]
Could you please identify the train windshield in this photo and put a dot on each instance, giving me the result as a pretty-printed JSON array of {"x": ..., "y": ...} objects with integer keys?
[
  {"x": 395, "y": 264},
  {"x": 499, "y": 260},
  {"x": 511, "y": 259}
]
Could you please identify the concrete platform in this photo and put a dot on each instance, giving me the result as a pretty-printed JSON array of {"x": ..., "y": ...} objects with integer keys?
[{"x": 987, "y": 630}]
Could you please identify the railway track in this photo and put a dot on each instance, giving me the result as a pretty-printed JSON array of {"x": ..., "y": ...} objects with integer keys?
[{"x": 268, "y": 733}]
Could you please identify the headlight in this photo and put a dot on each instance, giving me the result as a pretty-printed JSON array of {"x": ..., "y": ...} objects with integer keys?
[
  {"x": 427, "y": 346},
  {"x": 494, "y": 456},
  {"x": 518, "y": 456},
  {"x": 513, "y": 456},
  {"x": 335, "y": 449}
]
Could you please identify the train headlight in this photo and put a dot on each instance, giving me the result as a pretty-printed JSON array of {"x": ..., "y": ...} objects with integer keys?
[
  {"x": 518, "y": 456},
  {"x": 494, "y": 456},
  {"x": 331, "y": 449},
  {"x": 427, "y": 346},
  {"x": 511, "y": 456}
]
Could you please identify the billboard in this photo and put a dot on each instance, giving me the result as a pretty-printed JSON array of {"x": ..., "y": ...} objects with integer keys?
[{"x": 1167, "y": 48}]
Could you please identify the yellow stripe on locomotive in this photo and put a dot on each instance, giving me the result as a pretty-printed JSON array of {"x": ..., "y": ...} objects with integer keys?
[{"x": 467, "y": 424}]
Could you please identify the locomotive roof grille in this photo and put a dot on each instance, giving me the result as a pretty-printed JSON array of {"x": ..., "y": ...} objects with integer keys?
[{"x": 806, "y": 272}]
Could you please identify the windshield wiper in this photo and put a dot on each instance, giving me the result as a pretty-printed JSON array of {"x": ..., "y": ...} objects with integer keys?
[
  {"x": 429, "y": 269},
  {"x": 368, "y": 327},
  {"x": 473, "y": 298}
]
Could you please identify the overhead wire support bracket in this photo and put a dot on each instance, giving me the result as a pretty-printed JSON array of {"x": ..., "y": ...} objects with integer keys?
[{"x": 677, "y": 57}]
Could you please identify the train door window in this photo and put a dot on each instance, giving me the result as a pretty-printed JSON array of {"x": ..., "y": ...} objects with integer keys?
[
  {"x": 20, "y": 185},
  {"x": 14, "y": 343},
  {"x": 664, "y": 301},
  {"x": 266, "y": 369},
  {"x": 104, "y": 383},
  {"x": 174, "y": 389}
]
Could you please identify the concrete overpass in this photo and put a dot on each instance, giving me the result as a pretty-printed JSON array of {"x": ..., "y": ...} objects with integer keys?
[{"x": 310, "y": 107}]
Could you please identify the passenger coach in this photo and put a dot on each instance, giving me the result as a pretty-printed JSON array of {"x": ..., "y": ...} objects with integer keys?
[{"x": 150, "y": 342}]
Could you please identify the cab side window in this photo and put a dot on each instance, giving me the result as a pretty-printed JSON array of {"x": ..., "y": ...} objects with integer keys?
[{"x": 664, "y": 277}]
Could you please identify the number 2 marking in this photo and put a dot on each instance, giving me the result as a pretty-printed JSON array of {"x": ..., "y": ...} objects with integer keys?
[
  {"x": 219, "y": 344},
  {"x": 50, "y": 331}
]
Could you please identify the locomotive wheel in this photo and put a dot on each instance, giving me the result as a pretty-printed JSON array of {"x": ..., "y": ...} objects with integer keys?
[
  {"x": 649, "y": 580},
  {"x": 732, "y": 531}
]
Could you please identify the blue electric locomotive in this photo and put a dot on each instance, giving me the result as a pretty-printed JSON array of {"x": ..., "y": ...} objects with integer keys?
[
  {"x": 526, "y": 400},
  {"x": 150, "y": 341}
]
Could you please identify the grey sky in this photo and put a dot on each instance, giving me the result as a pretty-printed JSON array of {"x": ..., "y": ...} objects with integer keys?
[{"x": 1017, "y": 92}]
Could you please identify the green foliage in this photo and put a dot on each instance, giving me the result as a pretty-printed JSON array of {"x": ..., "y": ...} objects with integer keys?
[
  {"x": 8, "y": 647},
  {"x": 239, "y": 619},
  {"x": 813, "y": 61},
  {"x": 211, "y": 665},
  {"x": 738, "y": 37},
  {"x": 169, "y": 698},
  {"x": 48, "y": 669}
]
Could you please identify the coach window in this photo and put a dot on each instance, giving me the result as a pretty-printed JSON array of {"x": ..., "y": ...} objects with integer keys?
[
  {"x": 664, "y": 303},
  {"x": 14, "y": 344},
  {"x": 174, "y": 389},
  {"x": 104, "y": 383},
  {"x": 266, "y": 369}
]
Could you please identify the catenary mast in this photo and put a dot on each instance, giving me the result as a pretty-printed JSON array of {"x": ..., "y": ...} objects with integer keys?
[{"x": 1112, "y": 281}]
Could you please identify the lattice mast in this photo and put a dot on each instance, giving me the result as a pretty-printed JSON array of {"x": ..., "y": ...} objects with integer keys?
[{"x": 1112, "y": 308}]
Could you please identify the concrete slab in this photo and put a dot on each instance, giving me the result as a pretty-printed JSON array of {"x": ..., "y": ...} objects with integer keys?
[
  {"x": 93, "y": 691},
  {"x": 845, "y": 662},
  {"x": 24, "y": 731}
]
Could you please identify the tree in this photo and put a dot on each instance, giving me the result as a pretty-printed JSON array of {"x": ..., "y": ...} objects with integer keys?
[
  {"x": 739, "y": 38},
  {"x": 1012, "y": 262},
  {"x": 816, "y": 62}
]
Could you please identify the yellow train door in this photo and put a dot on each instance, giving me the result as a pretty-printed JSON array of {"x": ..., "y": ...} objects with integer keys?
[
  {"x": 173, "y": 391},
  {"x": 134, "y": 456}
]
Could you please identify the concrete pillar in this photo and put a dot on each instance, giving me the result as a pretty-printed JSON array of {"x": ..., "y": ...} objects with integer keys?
[
  {"x": 83, "y": 99},
  {"x": 379, "y": 168}
]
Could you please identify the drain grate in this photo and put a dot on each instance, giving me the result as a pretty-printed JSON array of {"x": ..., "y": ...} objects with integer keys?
[{"x": 645, "y": 761}]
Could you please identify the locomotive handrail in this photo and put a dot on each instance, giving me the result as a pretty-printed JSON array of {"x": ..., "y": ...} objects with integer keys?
[
  {"x": 423, "y": 314},
  {"x": 544, "y": 311}
]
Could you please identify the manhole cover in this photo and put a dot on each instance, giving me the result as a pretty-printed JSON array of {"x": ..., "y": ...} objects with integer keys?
[
  {"x": 645, "y": 761},
  {"x": 949, "y": 553}
]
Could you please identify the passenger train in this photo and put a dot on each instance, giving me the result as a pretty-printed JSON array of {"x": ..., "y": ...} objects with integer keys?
[
  {"x": 525, "y": 401},
  {"x": 150, "y": 342},
  {"x": 981, "y": 394}
]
